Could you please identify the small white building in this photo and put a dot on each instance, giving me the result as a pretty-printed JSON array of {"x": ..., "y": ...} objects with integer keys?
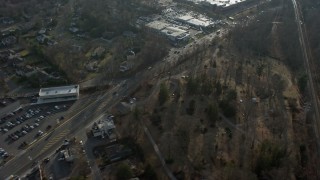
[
  {"x": 103, "y": 126},
  {"x": 58, "y": 94}
]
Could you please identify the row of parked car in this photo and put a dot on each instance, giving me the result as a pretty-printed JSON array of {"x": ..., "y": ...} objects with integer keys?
[
  {"x": 27, "y": 115},
  {"x": 26, "y": 129}
]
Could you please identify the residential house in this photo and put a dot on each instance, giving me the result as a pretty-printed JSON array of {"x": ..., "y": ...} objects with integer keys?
[
  {"x": 8, "y": 41},
  {"x": 98, "y": 52}
]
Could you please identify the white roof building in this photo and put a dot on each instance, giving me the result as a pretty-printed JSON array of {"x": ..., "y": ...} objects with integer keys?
[
  {"x": 58, "y": 94},
  {"x": 173, "y": 33},
  {"x": 198, "y": 22},
  {"x": 223, "y": 3},
  {"x": 185, "y": 18}
]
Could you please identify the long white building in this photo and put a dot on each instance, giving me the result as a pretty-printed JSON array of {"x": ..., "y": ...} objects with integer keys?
[{"x": 58, "y": 94}]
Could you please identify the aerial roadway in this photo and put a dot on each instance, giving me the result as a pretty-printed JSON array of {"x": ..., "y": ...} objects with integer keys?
[
  {"x": 89, "y": 109},
  {"x": 94, "y": 106}
]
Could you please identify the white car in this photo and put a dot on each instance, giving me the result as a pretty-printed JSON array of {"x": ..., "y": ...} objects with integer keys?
[{"x": 40, "y": 133}]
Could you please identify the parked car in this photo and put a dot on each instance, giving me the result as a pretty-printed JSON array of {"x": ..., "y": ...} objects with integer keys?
[
  {"x": 48, "y": 127},
  {"x": 39, "y": 133}
]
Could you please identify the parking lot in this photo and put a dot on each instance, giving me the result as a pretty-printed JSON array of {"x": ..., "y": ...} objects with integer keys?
[{"x": 24, "y": 125}]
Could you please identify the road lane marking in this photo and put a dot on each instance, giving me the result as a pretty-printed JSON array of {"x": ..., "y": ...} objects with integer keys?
[{"x": 54, "y": 140}]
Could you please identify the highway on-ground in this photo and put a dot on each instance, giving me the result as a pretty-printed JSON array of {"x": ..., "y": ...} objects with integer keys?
[{"x": 308, "y": 65}]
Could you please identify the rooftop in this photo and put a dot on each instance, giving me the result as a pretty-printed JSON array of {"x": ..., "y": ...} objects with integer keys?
[
  {"x": 185, "y": 18},
  {"x": 158, "y": 25},
  {"x": 224, "y": 3},
  {"x": 198, "y": 22},
  {"x": 173, "y": 31},
  {"x": 59, "y": 90}
]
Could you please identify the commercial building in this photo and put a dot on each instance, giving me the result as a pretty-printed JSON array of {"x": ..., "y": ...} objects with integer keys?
[
  {"x": 222, "y": 3},
  {"x": 104, "y": 126},
  {"x": 157, "y": 25},
  {"x": 174, "y": 34},
  {"x": 58, "y": 94},
  {"x": 196, "y": 22}
]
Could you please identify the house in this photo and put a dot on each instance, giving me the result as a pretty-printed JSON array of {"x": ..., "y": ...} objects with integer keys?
[
  {"x": 98, "y": 52},
  {"x": 42, "y": 39},
  {"x": 92, "y": 67},
  {"x": 10, "y": 31},
  {"x": 42, "y": 31},
  {"x": 66, "y": 155},
  {"x": 130, "y": 55},
  {"x": 74, "y": 30},
  {"x": 255, "y": 100},
  {"x": 26, "y": 27},
  {"x": 6, "y": 20},
  {"x": 125, "y": 66},
  {"x": 9, "y": 41}
]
